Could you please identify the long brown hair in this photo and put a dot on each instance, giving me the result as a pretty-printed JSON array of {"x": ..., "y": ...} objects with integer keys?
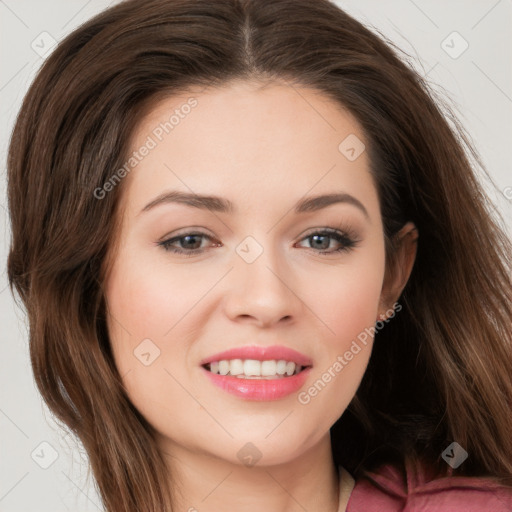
[{"x": 439, "y": 371}]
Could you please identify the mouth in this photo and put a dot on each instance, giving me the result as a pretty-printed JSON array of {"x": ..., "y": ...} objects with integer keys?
[
  {"x": 254, "y": 369},
  {"x": 258, "y": 373}
]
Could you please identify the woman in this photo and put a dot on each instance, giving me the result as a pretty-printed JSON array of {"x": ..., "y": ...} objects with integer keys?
[{"x": 259, "y": 270}]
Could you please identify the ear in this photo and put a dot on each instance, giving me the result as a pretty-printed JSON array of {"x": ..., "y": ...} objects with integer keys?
[{"x": 399, "y": 268}]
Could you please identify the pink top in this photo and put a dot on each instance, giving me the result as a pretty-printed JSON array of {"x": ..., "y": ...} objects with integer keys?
[{"x": 414, "y": 489}]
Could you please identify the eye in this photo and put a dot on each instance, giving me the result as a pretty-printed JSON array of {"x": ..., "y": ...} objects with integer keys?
[
  {"x": 321, "y": 241},
  {"x": 190, "y": 244}
]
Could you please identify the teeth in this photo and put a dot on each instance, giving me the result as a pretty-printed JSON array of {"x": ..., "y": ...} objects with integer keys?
[
  {"x": 224, "y": 367},
  {"x": 281, "y": 367},
  {"x": 269, "y": 368},
  {"x": 251, "y": 367},
  {"x": 236, "y": 367},
  {"x": 254, "y": 369}
]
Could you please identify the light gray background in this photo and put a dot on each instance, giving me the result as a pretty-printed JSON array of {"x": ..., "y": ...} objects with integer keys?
[{"x": 477, "y": 84}]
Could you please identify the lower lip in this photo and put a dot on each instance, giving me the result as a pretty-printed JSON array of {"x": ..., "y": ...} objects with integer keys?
[{"x": 259, "y": 389}]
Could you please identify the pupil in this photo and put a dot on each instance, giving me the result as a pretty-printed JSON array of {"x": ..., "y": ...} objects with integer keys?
[
  {"x": 316, "y": 237},
  {"x": 188, "y": 238}
]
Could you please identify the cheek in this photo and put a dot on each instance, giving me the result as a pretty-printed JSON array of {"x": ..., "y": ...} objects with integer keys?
[
  {"x": 355, "y": 305},
  {"x": 350, "y": 312},
  {"x": 348, "y": 304},
  {"x": 148, "y": 301},
  {"x": 153, "y": 316},
  {"x": 146, "y": 308},
  {"x": 347, "y": 299}
]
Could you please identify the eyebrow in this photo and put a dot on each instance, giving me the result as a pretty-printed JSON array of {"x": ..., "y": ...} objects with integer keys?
[{"x": 221, "y": 205}]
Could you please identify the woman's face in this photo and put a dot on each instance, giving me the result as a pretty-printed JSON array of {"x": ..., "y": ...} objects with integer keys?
[{"x": 262, "y": 273}]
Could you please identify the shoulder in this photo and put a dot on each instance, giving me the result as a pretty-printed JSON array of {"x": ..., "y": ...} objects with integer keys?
[{"x": 413, "y": 488}]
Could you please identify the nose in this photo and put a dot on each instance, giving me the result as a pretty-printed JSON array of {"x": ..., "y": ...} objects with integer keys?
[{"x": 262, "y": 292}]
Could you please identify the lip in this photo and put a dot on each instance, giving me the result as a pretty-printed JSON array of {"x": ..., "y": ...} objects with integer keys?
[
  {"x": 259, "y": 353},
  {"x": 260, "y": 389}
]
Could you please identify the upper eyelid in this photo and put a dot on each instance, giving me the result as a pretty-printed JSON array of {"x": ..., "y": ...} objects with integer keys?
[
  {"x": 310, "y": 231},
  {"x": 322, "y": 230}
]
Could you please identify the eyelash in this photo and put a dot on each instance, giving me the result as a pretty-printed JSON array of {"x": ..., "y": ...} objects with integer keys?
[{"x": 347, "y": 240}]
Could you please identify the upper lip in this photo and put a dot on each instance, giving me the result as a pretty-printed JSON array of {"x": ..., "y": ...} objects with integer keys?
[{"x": 260, "y": 353}]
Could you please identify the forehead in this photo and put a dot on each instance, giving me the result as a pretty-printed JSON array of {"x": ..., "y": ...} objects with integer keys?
[
  {"x": 248, "y": 138},
  {"x": 248, "y": 106}
]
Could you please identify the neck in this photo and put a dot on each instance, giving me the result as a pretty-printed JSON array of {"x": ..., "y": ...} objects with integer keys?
[{"x": 204, "y": 483}]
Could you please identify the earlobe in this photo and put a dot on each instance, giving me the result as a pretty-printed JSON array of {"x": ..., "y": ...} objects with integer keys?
[{"x": 399, "y": 269}]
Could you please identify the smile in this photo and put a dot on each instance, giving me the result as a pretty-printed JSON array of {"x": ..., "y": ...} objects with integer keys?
[
  {"x": 254, "y": 369},
  {"x": 258, "y": 373}
]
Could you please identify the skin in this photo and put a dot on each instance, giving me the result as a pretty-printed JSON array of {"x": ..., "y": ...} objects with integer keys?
[{"x": 263, "y": 148}]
